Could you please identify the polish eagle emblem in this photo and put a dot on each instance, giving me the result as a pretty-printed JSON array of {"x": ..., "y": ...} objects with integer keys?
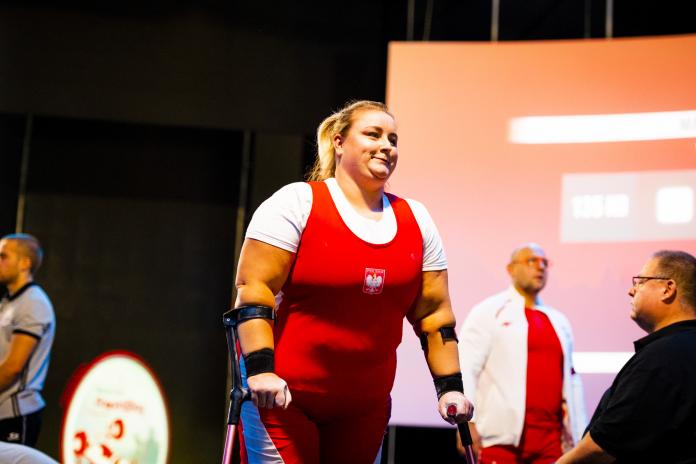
[{"x": 374, "y": 281}]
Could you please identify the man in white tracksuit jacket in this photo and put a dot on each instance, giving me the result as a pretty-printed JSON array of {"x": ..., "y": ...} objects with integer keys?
[{"x": 510, "y": 343}]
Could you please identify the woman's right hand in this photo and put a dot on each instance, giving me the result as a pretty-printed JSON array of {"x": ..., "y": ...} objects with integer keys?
[{"x": 269, "y": 391}]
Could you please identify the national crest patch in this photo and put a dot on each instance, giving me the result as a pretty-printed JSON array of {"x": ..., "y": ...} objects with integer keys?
[{"x": 374, "y": 281}]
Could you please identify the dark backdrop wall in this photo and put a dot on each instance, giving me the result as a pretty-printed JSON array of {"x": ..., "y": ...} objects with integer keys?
[
  {"x": 138, "y": 119},
  {"x": 138, "y": 225},
  {"x": 266, "y": 66},
  {"x": 184, "y": 65},
  {"x": 12, "y": 129}
]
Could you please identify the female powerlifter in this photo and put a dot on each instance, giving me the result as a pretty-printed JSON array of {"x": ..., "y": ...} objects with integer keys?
[{"x": 342, "y": 263}]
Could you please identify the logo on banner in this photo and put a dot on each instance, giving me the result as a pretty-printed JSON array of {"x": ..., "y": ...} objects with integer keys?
[
  {"x": 116, "y": 413},
  {"x": 374, "y": 281}
]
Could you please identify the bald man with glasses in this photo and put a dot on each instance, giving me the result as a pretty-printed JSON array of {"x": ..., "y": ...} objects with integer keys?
[
  {"x": 516, "y": 358},
  {"x": 649, "y": 412}
]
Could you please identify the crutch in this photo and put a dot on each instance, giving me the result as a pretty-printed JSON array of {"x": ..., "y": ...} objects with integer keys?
[
  {"x": 465, "y": 435},
  {"x": 238, "y": 394}
]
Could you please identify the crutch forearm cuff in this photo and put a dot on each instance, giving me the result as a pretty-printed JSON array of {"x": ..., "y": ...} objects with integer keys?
[
  {"x": 245, "y": 313},
  {"x": 446, "y": 333}
]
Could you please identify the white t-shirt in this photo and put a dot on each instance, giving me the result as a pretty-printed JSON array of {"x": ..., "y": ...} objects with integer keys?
[{"x": 281, "y": 219}]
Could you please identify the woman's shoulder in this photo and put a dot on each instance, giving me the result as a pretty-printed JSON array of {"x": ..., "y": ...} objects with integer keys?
[
  {"x": 294, "y": 189},
  {"x": 420, "y": 211},
  {"x": 281, "y": 219},
  {"x": 294, "y": 195}
]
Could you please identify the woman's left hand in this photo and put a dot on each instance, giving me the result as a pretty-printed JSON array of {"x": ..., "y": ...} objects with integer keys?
[{"x": 464, "y": 408}]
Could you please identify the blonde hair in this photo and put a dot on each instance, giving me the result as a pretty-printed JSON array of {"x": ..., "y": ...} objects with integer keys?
[{"x": 338, "y": 123}]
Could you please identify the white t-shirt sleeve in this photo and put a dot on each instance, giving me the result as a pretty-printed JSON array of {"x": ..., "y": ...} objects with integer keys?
[
  {"x": 434, "y": 258},
  {"x": 281, "y": 219}
]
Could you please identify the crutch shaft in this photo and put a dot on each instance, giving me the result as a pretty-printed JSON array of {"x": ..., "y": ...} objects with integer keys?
[
  {"x": 467, "y": 442},
  {"x": 229, "y": 444}
]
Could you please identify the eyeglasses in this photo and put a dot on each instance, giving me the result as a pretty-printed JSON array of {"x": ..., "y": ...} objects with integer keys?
[
  {"x": 534, "y": 261},
  {"x": 639, "y": 280}
]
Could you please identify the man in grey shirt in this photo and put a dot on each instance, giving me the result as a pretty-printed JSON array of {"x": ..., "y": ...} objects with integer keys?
[
  {"x": 27, "y": 327},
  {"x": 11, "y": 453}
]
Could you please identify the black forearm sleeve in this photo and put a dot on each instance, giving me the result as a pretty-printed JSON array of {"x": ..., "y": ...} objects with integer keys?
[
  {"x": 259, "y": 361},
  {"x": 448, "y": 383}
]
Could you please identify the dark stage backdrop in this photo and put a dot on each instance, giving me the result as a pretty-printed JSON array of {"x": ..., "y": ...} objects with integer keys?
[
  {"x": 138, "y": 225},
  {"x": 11, "y": 136}
]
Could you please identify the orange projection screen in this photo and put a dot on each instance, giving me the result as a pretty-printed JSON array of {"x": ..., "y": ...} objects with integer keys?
[{"x": 586, "y": 147}]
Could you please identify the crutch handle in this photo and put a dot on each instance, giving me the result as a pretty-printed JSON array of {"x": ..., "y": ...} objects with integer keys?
[{"x": 238, "y": 395}]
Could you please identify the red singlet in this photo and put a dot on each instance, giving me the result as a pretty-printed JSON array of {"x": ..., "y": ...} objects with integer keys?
[
  {"x": 344, "y": 302},
  {"x": 337, "y": 329}
]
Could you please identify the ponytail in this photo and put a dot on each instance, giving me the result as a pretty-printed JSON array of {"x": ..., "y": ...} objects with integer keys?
[{"x": 338, "y": 123}]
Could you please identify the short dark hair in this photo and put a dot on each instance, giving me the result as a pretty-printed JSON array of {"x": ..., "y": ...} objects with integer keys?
[
  {"x": 681, "y": 267},
  {"x": 30, "y": 247}
]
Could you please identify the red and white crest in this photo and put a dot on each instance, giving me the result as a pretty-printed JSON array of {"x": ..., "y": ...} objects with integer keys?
[{"x": 374, "y": 281}]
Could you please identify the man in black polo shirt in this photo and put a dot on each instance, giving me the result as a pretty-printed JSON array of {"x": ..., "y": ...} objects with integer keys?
[{"x": 648, "y": 415}]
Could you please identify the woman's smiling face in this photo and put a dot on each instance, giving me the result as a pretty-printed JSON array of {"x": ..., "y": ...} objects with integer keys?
[{"x": 368, "y": 153}]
